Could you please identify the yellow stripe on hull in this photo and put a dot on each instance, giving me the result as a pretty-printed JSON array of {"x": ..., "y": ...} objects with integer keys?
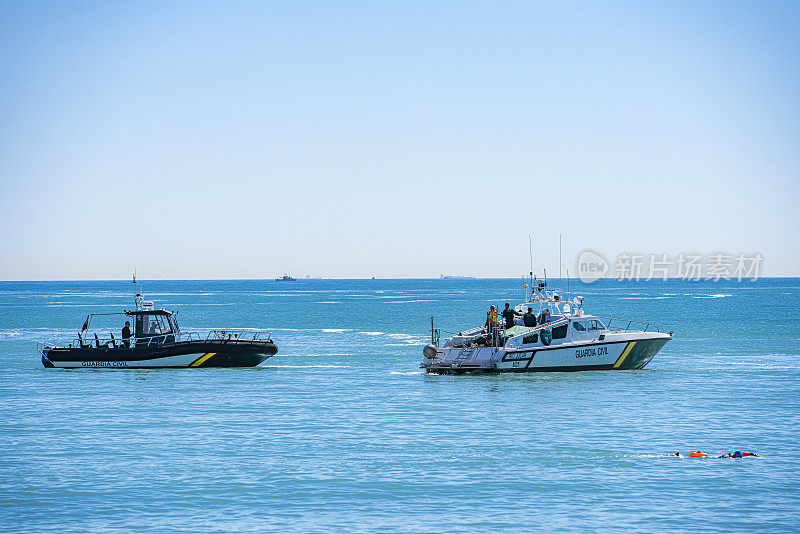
[
  {"x": 202, "y": 359},
  {"x": 624, "y": 354}
]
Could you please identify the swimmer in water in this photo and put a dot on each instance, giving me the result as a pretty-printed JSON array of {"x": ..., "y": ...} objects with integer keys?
[{"x": 738, "y": 454}]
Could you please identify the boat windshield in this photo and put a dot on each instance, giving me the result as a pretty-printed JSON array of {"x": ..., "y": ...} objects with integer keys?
[
  {"x": 587, "y": 326},
  {"x": 152, "y": 325}
]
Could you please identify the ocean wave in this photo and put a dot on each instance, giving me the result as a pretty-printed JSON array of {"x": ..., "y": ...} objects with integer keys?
[
  {"x": 82, "y": 305},
  {"x": 211, "y": 304},
  {"x": 147, "y": 294},
  {"x": 38, "y": 334},
  {"x": 644, "y": 298},
  {"x": 115, "y": 295},
  {"x": 401, "y": 336},
  {"x": 298, "y": 294},
  {"x": 189, "y": 328},
  {"x": 270, "y": 366}
]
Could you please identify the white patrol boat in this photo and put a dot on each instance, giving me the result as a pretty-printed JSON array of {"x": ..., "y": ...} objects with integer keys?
[{"x": 564, "y": 338}]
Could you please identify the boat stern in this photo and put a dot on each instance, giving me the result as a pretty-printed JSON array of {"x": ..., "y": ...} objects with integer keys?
[{"x": 458, "y": 360}]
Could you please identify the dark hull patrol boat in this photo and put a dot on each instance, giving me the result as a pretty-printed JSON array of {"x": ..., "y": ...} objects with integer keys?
[{"x": 157, "y": 341}]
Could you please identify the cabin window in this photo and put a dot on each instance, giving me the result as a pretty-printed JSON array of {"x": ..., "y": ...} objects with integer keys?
[
  {"x": 167, "y": 324},
  {"x": 159, "y": 325},
  {"x": 530, "y": 338},
  {"x": 560, "y": 332},
  {"x": 152, "y": 325},
  {"x": 587, "y": 326},
  {"x": 153, "y": 328}
]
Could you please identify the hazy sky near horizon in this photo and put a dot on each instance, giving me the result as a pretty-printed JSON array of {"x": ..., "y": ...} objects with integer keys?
[{"x": 393, "y": 139}]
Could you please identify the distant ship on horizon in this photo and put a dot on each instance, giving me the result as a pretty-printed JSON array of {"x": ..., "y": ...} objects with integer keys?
[
  {"x": 455, "y": 277},
  {"x": 285, "y": 278}
]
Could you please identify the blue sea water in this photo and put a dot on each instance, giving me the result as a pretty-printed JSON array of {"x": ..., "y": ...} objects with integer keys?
[{"x": 340, "y": 432}]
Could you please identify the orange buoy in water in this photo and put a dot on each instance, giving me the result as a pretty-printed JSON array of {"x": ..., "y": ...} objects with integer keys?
[{"x": 698, "y": 454}]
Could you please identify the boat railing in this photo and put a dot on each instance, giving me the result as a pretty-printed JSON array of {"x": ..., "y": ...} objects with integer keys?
[
  {"x": 503, "y": 338},
  {"x": 551, "y": 324},
  {"x": 626, "y": 325},
  {"x": 113, "y": 342},
  {"x": 239, "y": 335},
  {"x": 497, "y": 333}
]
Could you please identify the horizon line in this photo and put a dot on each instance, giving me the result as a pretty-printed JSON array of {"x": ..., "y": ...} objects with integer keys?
[{"x": 670, "y": 278}]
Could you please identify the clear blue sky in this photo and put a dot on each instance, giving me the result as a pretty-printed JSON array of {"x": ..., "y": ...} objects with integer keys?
[{"x": 405, "y": 139}]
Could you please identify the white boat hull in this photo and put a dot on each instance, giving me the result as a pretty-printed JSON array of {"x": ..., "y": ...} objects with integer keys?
[{"x": 631, "y": 352}]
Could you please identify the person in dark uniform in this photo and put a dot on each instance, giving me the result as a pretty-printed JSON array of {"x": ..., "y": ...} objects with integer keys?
[
  {"x": 509, "y": 314},
  {"x": 529, "y": 319},
  {"x": 544, "y": 317},
  {"x": 126, "y": 334}
]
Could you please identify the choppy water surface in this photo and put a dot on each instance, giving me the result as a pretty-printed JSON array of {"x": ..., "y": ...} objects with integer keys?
[{"x": 341, "y": 432}]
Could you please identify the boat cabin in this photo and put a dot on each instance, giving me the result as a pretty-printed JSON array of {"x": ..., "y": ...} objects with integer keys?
[{"x": 149, "y": 323}]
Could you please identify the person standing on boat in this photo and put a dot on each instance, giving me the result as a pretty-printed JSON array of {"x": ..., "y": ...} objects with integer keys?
[
  {"x": 509, "y": 314},
  {"x": 491, "y": 318},
  {"x": 529, "y": 319},
  {"x": 126, "y": 334},
  {"x": 545, "y": 316}
]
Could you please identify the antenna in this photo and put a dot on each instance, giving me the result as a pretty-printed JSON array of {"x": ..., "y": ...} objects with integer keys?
[
  {"x": 530, "y": 252},
  {"x": 559, "y": 260}
]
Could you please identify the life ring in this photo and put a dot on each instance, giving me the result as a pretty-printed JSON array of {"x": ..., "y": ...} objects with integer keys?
[
  {"x": 698, "y": 454},
  {"x": 546, "y": 335}
]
